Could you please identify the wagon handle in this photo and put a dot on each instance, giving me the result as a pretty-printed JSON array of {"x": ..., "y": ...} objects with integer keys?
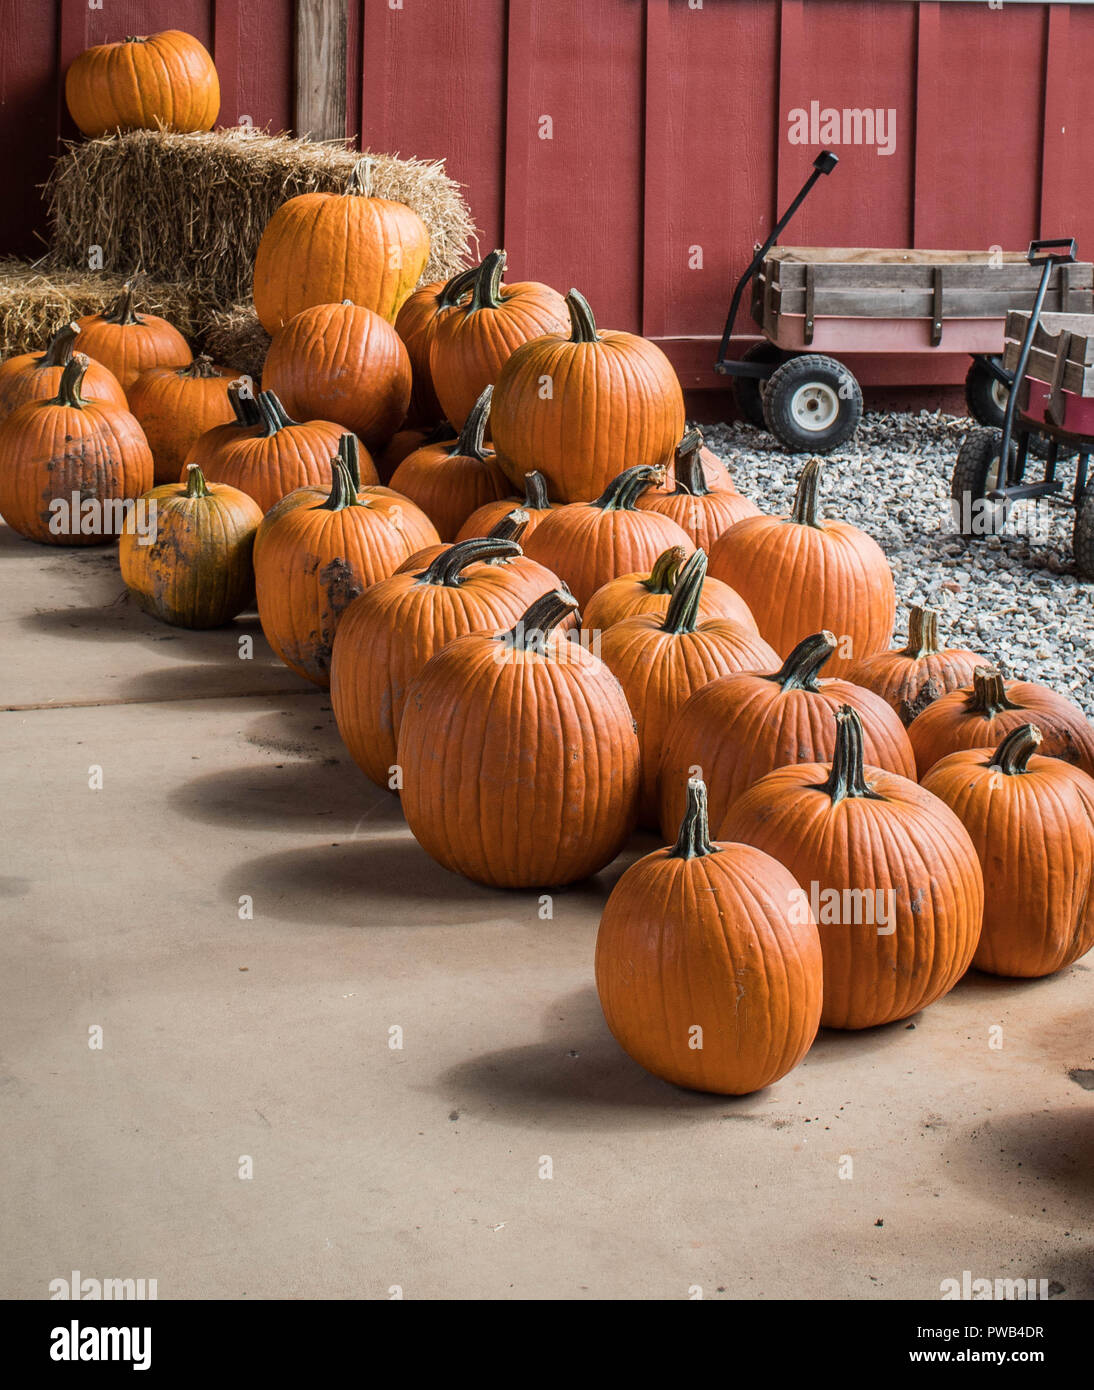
[
  {"x": 1041, "y": 251},
  {"x": 824, "y": 163}
]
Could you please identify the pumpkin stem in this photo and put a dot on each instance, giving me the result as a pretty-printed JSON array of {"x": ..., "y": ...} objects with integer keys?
[
  {"x": 456, "y": 288},
  {"x": 486, "y": 293},
  {"x": 72, "y": 378},
  {"x": 360, "y": 178},
  {"x": 683, "y": 610},
  {"x": 989, "y": 692},
  {"x": 122, "y": 311},
  {"x": 244, "y": 406},
  {"x": 625, "y": 488},
  {"x": 922, "y": 633},
  {"x": 272, "y": 413},
  {"x": 690, "y": 477},
  {"x": 806, "y": 508},
  {"x": 448, "y": 567},
  {"x": 469, "y": 444},
  {"x": 662, "y": 576},
  {"x": 59, "y": 351},
  {"x": 539, "y": 620},
  {"x": 582, "y": 323},
  {"x": 511, "y": 527},
  {"x": 694, "y": 839},
  {"x": 799, "y": 670},
  {"x": 201, "y": 366},
  {"x": 342, "y": 492},
  {"x": 196, "y": 486},
  {"x": 349, "y": 454},
  {"x": 848, "y": 775},
  {"x": 1015, "y": 751},
  {"x": 535, "y": 492}
]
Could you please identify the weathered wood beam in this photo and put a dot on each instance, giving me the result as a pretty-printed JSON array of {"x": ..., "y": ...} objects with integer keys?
[{"x": 319, "y": 99}]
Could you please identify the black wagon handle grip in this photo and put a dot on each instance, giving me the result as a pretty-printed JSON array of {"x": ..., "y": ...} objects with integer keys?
[{"x": 1059, "y": 251}]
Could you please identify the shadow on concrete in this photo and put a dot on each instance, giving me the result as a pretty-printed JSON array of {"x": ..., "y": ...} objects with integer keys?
[
  {"x": 206, "y": 680},
  {"x": 843, "y": 1047}
]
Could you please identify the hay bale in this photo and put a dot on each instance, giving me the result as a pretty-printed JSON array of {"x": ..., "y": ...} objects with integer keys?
[
  {"x": 194, "y": 206},
  {"x": 236, "y": 338}
]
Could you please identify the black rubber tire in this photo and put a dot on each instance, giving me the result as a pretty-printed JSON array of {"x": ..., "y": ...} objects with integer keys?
[
  {"x": 811, "y": 368},
  {"x": 1082, "y": 539},
  {"x": 987, "y": 411},
  {"x": 977, "y": 457},
  {"x": 748, "y": 390}
]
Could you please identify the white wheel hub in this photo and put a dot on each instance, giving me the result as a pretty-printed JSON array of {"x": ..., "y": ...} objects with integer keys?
[
  {"x": 999, "y": 394},
  {"x": 814, "y": 407}
]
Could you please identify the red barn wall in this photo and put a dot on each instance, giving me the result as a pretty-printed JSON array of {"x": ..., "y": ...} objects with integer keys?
[{"x": 668, "y": 151}]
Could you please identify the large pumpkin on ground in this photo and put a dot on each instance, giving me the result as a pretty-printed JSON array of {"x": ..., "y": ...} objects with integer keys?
[
  {"x": 519, "y": 759},
  {"x": 911, "y": 677},
  {"x": 1031, "y": 820},
  {"x": 162, "y": 79},
  {"x": 632, "y": 594},
  {"x": 128, "y": 343},
  {"x": 176, "y": 405},
  {"x": 197, "y": 570},
  {"x": 69, "y": 455},
  {"x": 341, "y": 362},
  {"x": 36, "y": 376},
  {"x": 801, "y": 573},
  {"x": 708, "y": 963},
  {"x": 614, "y": 403},
  {"x": 897, "y": 886},
  {"x": 322, "y": 248},
  {"x": 416, "y": 324}
]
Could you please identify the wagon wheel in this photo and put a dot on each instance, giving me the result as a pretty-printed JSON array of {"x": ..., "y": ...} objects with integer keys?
[
  {"x": 986, "y": 398},
  {"x": 748, "y": 391},
  {"x": 975, "y": 474},
  {"x": 1082, "y": 539},
  {"x": 812, "y": 404}
]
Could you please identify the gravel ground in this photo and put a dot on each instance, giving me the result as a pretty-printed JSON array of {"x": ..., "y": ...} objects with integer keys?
[{"x": 1014, "y": 598}]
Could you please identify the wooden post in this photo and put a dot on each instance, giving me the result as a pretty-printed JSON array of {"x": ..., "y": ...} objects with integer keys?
[{"x": 319, "y": 103}]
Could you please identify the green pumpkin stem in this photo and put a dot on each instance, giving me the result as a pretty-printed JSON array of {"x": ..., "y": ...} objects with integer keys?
[
  {"x": 662, "y": 576},
  {"x": 469, "y": 444},
  {"x": 922, "y": 633},
  {"x": 989, "y": 693},
  {"x": 799, "y": 670},
  {"x": 539, "y": 620},
  {"x": 196, "y": 486},
  {"x": 122, "y": 311},
  {"x": 625, "y": 488},
  {"x": 244, "y": 406},
  {"x": 342, "y": 492},
  {"x": 694, "y": 841},
  {"x": 448, "y": 567},
  {"x": 456, "y": 288},
  {"x": 690, "y": 478},
  {"x": 349, "y": 454},
  {"x": 683, "y": 610},
  {"x": 847, "y": 777},
  {"x": 72, "y": 378},
  {"x": 535, "y": 492},
  {"x": 1013, "y": 754},
  {"x": 486, "y": 292},
  {"x": 511, "y": 527},
  {"x": 582, "y": 323},
  {"x": 59, "y": 351},
  {"x": 201, "y": 366},
  {"x": 806, "y": 508}
]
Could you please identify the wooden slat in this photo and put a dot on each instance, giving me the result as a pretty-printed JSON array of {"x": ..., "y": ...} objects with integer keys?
[
  {"x": 1018, "y": 277},
  {"x": 1051, "y": 329},
  {"x": 320, "y": 95},
  {"x": 867, "y": 302}
]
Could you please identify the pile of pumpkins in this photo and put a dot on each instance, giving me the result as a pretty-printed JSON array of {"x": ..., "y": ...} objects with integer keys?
[{"x": 547, "y": 616}]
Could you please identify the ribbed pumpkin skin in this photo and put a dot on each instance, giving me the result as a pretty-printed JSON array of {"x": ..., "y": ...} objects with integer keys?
[
  {"x": 416, "y": 324},
  {"x": 176, "y": 408},
  {"x": 520, "y": 769},
  {"x": 708, "y": 942},
  {"x": 1034, "y": 837},
  {"x": 449, "y": 485},
  {"x": 198, "y": 572},
  {"x": 704, "y": 519},
  {"x": 909, "y": 842},
  {"x": 310, "y": 565},
  {"x": 909, "y": 678},
  {"x": 798, "y": 578},
  {"x": 24, "y": 378},
  {"x": 633, "y": 594},
  {"x": 321, "y": 248},
  {"x": 741, "y": 727},
  {"x": 167, "y": 77},
  {"x": 530, "y": 577},
  {"x": 387, "y": 636},
  {"x": 51, "y": 451},
  {"x": 483, "y": 519},
  {"x": 128, "y": 349},
  {"x": 341, "y": 362},
  {"x": 950, "y": 725}
]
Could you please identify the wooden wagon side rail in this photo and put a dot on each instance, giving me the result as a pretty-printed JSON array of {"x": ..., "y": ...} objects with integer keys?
[{"x": 1062, "y": 355}]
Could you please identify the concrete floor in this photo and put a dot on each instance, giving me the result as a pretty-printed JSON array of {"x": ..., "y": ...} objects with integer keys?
[{"x": 420, "y": 1168}]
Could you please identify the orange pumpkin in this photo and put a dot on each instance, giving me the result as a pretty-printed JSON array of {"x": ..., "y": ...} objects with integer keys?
[
  {"x": 660, "y": 662},
  {"x": 615, "y": 402},
  {"x": 589, "y": 543},
  {"x": 708, "y": 963},
  {"x": 449, "y": 482},
  {"x": 632, "y": 594},
  {"x": 387, "y": 636},
  {"x": 1031, "y": 820},
  {"x": 341, "y": 362},
  {"x": 163, "y": 79},
  {"x": 416, "y": 324},
  {"x": 348, "y": 454},
  {"x": 128, "y": 343},
  {"x": 473, "y": 341},
  {"x": 539, "y": 788},
  {"x": 979, "y": 715},
  {"x": 536, "y": 504},
  {"x": 893, "y": 874},
  {"x": 312, "y": 562},
  {"x": 406, "y": 442},
  {"x": 36, "y": 376},
  {"x": 910, "y": 677},
  {"x": 799, "y": 573},
  {"x": 740, "y": 727},
  {"x": 704, "y": 513},
  {"x": 176, "y": 405},
  {"x": 69, "y": 466},
  {"x": 322, "y": 248}
]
